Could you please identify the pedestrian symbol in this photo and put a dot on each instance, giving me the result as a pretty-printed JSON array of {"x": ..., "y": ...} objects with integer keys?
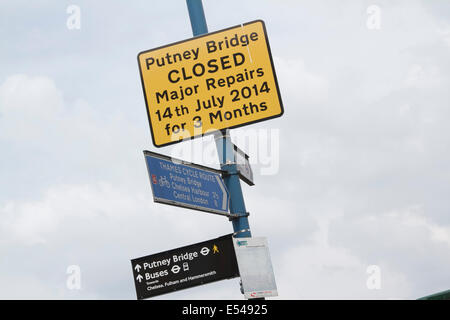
[{"x": 215, "y": 249}]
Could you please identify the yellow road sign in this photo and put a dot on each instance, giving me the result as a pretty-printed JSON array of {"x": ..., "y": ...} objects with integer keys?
[{"x": 224, "y": 79}]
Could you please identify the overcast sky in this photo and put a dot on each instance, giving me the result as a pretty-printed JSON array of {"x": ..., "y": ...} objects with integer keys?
[{"x": 360, "y": 160}]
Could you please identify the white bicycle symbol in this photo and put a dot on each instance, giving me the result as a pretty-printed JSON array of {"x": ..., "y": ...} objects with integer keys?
[{"x": 163, "y": 182}]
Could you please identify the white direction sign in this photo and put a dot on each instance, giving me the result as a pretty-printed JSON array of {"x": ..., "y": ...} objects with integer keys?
[{"x": 255, "y": 267}]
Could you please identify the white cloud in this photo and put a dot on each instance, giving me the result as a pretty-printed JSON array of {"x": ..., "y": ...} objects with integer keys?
[
  {"x": 29, "y": 96},
  {"x": 34, "y": 222},
  {"x": 405, "y": 240},
  {"x": 321, "y": 270},
  {"x": 420, "y": 77},
  {"x": 294, "y": 77},
  {"x": 26, "y": 103}
]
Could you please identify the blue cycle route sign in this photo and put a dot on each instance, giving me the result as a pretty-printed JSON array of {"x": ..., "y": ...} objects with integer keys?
[{"x": 186, "y": 185}]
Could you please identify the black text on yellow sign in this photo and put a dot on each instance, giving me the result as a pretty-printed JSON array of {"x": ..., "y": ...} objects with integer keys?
[{"x": 220, "y": 80}]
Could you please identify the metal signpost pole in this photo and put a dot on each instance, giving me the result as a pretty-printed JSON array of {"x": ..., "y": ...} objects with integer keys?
[{"x": 224, "y": 145}]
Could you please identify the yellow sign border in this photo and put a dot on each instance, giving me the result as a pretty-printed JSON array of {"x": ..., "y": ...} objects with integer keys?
[{"x": 231, "y": 127}]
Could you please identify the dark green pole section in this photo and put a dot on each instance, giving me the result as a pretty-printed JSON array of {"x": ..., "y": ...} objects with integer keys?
[{"x": 444, "y": 295}]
